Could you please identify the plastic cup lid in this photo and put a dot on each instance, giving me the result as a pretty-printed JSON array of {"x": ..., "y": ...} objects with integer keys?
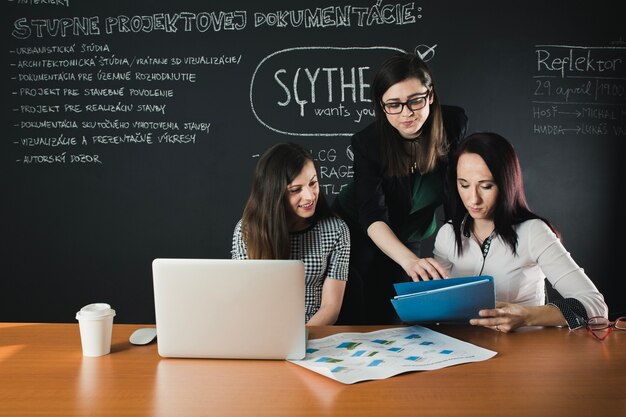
[{"x": 95, "y": 311}]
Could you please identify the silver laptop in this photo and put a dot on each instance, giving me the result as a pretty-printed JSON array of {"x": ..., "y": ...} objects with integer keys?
[{"x": 234, "y": 309}]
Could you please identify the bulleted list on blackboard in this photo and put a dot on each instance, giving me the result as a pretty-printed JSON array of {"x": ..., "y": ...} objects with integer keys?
[{"x": 70, "y": 101}]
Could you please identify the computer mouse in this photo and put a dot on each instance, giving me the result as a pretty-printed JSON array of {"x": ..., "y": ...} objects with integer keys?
[{"x": 143, "y": 336}]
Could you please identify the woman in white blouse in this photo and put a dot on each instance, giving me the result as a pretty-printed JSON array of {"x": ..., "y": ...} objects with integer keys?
[{"x": 493, "y": 232}]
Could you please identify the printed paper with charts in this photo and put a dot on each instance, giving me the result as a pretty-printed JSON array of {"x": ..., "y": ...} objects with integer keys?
[{"x": 354, "y": 357}]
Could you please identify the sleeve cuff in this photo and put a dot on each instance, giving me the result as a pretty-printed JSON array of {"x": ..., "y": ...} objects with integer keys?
[{"x": 573, "y": 311}]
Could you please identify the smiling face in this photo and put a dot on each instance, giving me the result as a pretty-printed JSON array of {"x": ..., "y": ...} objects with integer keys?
[
  {"x": 301, "y": 197},
  {"x": 408, "y": 122},
  {"x": 476, "y": 186}
]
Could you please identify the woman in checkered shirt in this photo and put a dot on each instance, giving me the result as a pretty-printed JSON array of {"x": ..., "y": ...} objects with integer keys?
[{"x": 286, "y": 217}]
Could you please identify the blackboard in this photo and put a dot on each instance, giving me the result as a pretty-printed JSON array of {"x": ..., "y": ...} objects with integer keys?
[{"x": 131, "y": 129}]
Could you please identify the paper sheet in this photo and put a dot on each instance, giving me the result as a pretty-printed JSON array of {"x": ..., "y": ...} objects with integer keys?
[{"x": 354, "y": 357}]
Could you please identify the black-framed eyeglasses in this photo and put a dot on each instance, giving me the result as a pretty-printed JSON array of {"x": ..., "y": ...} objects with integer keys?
[
  {"x": 414, "y": 104},
  {"x": 600, "y": 327}
]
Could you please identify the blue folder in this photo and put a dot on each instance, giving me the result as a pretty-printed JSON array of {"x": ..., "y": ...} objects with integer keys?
[{"x": 444, "y": 300}]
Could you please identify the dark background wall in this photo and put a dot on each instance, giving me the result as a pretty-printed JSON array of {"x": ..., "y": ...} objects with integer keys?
[{"x": 131, "y": 129}]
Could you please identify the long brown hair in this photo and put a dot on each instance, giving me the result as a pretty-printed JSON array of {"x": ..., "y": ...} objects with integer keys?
[
  {"x": 433, "y": 144},
  {"x": 264, "y": 220}
]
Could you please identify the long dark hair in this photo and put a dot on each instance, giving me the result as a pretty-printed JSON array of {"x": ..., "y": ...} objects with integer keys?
[
  {"x": 432, "y": 144},
  {"x": 511, "y": 207},
  {"x": 264, "y": 220}
]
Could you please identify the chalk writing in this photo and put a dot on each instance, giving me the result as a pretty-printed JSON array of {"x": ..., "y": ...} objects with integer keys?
[
  {"x": 113, "y": 76},
  {"x": 334, "y": 173},
  {"x": 145, "y": 138},
  {"x": 109, "y": 108},
  {"x": 103, "y": 92},
  {"x": 579, "y": 90},
  {"x": 48, "y": 124},
  {"x": 59, "y": 76},
  {"x": 62, "y": 158},
  {"x": 304, "y": 89},
  {"x": 111, "y": 87},
  {"x": 165, "y": 76},
  {"x": 48, "y": 141},
  {"x": 24, "y": 108},
  {"x": 339, "y": 16},
  {"x": 554, "y": 111},
  {"x": 93, "y": 47},
  {"x": 53, "y": 49},
  {"x": 209, "y": 60},
  {"x": 144, "y": 92},
  {"x": 59, "y": 63},
  {"x": 569, "y": 60},
  {"x": 173, "y": 22},
  {"x": 379, "y": 13},
  {"x": 425, "y": 52},
  {"x": 23, "y": 28},
  {"x": 63, "y": 3},
  {"x": 315, "y": 87}
]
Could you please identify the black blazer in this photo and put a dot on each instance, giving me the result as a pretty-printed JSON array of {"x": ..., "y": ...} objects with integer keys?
[{"x": 388, "y": 199}]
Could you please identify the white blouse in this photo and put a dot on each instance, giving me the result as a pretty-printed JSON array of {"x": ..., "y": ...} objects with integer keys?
[{"x": 520, "y": 279}]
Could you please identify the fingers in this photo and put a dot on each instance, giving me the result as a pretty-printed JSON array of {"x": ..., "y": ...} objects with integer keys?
[
  {"x": 443, "y": 272},
  {"x": 502, "y": 328},
  {"x": 492, "y": 323},
  {"x": 498, "y": 319},
  {"x": 494, "y": 312},
  {"x": 427, "y": 269},
  {"x": 492, "y": 318},
  {"x": 414, "y": 276}
]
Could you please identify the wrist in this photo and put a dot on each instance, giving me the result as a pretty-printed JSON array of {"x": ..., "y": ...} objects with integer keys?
[
  {"x": 546, "y": 315},
  {"x": 407, "y": 262},
  {"x": 530, "y": 318}
]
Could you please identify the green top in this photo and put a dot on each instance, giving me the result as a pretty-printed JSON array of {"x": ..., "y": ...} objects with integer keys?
[{"x": 421, "y": 221}]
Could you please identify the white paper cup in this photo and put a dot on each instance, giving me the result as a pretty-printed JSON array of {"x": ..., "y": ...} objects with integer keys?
[{"x": 96, "y": 326}]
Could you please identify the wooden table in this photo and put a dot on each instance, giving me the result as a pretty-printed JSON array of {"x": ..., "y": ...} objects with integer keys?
[{"x": 537, "y": 372}]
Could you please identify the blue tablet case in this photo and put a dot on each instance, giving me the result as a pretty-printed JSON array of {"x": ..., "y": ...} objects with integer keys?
[{"x": 444, "y": 300}]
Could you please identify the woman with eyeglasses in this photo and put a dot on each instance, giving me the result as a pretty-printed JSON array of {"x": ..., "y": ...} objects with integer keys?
[
  {"x": 399, "y": 170},
  {"x": 493, "y": 232},
  {"x": 286, "y": 217}
]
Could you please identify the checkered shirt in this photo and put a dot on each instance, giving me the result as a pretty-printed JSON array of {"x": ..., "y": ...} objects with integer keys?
[{"x": 325, "y": 250}]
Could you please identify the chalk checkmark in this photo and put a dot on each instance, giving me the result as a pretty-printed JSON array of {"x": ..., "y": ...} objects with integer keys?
[{"x": 425, "y": 52}]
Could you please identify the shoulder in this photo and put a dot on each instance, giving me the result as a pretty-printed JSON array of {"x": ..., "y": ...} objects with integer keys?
[
  {"x": 454, "y": 122},
  {"x": 535, "y": 231},
  {"x": 238, "y": 232},
  {"x": 534, "y": 226},
  {"x": 239, "y": 249},
  {"x": 332, "y": 224},
  {"x": 453, "y": 115},
  {"x": 366, "y": 137},
  {"x": 446, "y": 232},
  {"x": 445, "y": 242},
  {"x": 332, "y": 229}
]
